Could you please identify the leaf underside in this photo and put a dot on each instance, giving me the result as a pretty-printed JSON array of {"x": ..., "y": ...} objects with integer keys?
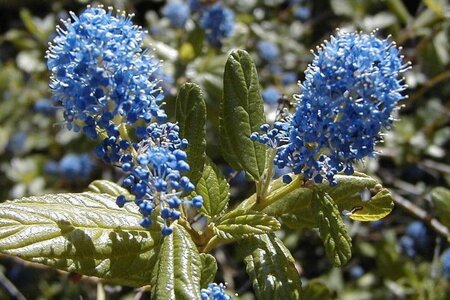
[
  {"x": 271, "y": 268},
  {"x": 84, "y": 233},
  {"x": 177, "y": 273},
  {"x": 332, "y": 229}
]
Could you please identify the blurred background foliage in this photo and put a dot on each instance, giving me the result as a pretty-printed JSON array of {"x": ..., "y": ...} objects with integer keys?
[{"x": 401, "y": 257}]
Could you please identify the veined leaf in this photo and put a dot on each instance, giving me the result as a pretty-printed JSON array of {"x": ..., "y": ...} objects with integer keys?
[
  {"x": 84, "y": 233},
  {"x": 359, "y": 194},
  {"x": 214, "y": 189},
  {"x": 191, "y": 117},
  {"x": 241, "y": 113},
  {"x": 301, "y": 219},
  {"x": 271, "y": 268},
  {"x": 110, "y": 188},
  {"x": 209, "y": 269},
  {"x": 332, "y": 229},
  {"x": 240, "y": 223},
  {"x": 362, "y": 196},
  {"x": 441, "y": 200},
  {"x": 316, "y": 290},
  {"x": 177, "y": 273}
]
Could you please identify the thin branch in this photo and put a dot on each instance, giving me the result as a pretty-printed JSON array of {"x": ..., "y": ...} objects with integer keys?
[
  {"x": 10, "y": 288},
  {"x": 422, "y": 215},
  {"x": 429, "y": 84}
]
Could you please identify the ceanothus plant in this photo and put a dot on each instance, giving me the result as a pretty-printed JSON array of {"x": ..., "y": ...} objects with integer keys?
[{"x": 172, "y": 211}]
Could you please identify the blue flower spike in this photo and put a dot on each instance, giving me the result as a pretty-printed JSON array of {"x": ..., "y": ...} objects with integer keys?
[
  {"x": 350, "y": 94},
  {"x": 215, "y": 292},
  {"x": 154, "y": 174},
  {"x": 106, "y": 83},
  {"x": 177, "y": 12},
  {"x": 218, "y": 23},
  {"x": 100, "y": 74}
]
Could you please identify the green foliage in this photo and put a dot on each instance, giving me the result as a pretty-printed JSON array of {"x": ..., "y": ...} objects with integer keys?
[
  {"x": 441, "y": 200},
  {"x": 84, "y": 233},
  {"x": 177, "y": 272},
  {"x": 338, "y": 244},
  {"x": 88, "y": 234},
  {"x": 191, "y": 117},
  {"x": 241, "y": 223},
  {"x": 214, "y": 189},
  {"x": 360, "y": 195},
  {"x": 209, "y": 269},
  {"x": 271, "y": 268},
  {"x": 241, "y": 113},
  {"x": 316, "y": 290},
  {"x": 109, "y": 188}
]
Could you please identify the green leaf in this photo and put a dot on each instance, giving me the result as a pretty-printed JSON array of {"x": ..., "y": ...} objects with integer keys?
[
  {"x": 214, "y": 189},
  {"x": 84, "y": 233},
  {"x": 191, "y": 117},
  {"x": 441, "y": 200},
  {"x": 240, "y": 223},
  {"x": 301, "y": 219},
  {"x": 209, "y": 269},
  {"x": 177, "y": 272},
  {"x": 271, "y": 268},
  {"x": 399, "y": 9},
  {"x": 316, "y": 290},
  {"x": 241, "y": 113},
  {"x": 196, "y": 38},
  {"x": 349, "y": 194},
  {"x": 437, "y": 6},
  {"x": 109, "y": 187},
  {"x": 332, "y": 229}
]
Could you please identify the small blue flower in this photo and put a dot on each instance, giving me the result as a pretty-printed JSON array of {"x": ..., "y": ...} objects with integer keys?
[
  {"x": 350, "y": 92},
  {"x": 154, "y": 168},
  {"x": 271, "y": 95},
  {"x": 268, "y": 51},
  {"x": 407, "y": 246},
  {"x": 195, "y": 5},
  {"x": 417, "y": 239},
  {"x": 100, "y": 72},
  {"x": 420, "y": 234},
  {"x": 215, "y": 292},
  {"x": 17, "y": 142},
  {"x": 289, "y": 78},
  {"x": 51, "y": 167},
  {"x": 177, "y": 12},
  {"x": 302, "y": 13},
  {"x": 218, "y": 23},
  {"x": 356, "y": 272},
  {"x": 45, "y": 107},
  {"x": 445, "y": 259},
  {"x": 76, "y": 166}
]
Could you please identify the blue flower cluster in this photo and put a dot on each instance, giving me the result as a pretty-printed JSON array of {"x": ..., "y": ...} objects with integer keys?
[
  {"x": 177, "y": 12},
  {"x": 215, "y": 292},
  {"x": 350, "y": 92},
  {"x": 271, "y": 95},
  {"x": 72, "y": 167},
  {"x": 218, "y": 23},
  {"x": 104, "y": 81},
  {"x": 268, "y": 51},
  {"x": 101, "y": 75},
  {"x": 45, "y": 107},
  {"x": 154, "y": 174},
  {"x": 445, "y": 259},
  {"x": 417, "y": 239},
  {"x": 216, "y": 19}
]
